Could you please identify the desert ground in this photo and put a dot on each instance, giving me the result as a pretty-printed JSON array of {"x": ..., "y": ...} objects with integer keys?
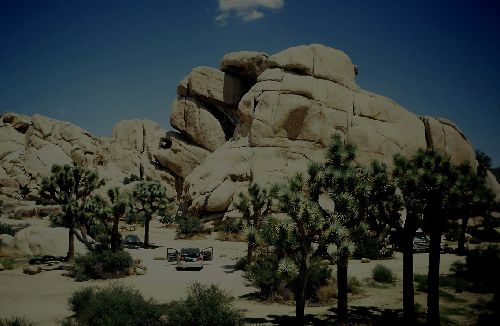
[{"x": 42, "y": 298}]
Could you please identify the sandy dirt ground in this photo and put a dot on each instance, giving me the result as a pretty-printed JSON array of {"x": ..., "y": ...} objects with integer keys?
[{"x": 42, "y": 298}]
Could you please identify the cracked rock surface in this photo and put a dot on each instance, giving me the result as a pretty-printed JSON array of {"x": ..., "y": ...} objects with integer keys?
[{"x": 298, "y": 98}]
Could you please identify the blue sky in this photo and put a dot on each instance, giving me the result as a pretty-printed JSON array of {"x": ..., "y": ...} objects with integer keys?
[{"x": 94, "y": 63}]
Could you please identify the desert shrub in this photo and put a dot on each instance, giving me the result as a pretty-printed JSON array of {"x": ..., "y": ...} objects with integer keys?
[
  {"x": 372, "y": 248},
  {"x": 114, "y": 305},
  {"x": 382, "y": 274},
  {"x": 188, "y": 226},
  {"x": 8, "y": 262},
  {"x": 367, "y": 247},
  {"x": 261, "y": 273},
  {"x": 353, "y": 285},
  {"x": 167, "y": 219},
  {"x": 482, "y": 267},
  {"x": 235, "y": 237},
  {"x": 204, "y": 306},
  {"x": 131, "y": 179},
  {"x": 230, "y": 225},
  {"x": 458, "y": 268},
  {"x": 319, "y": 274},
  {"x": 15, "y": 321},
  {"x": 327, "y": 292},
  {"x": 421, "y": 282},
  {"x": 6, "y": 229},
  {"x": 102, "y": 265}
]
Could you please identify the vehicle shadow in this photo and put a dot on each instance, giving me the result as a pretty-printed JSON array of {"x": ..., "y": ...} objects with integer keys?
[{"x": 229, "y": 269}]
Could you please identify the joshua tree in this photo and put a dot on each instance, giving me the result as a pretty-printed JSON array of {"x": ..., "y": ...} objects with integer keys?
[
  {"x": 149, "y": 198},
  {"x": 255, "y": 207},
  {"x": 471, "y": 198},
  {"x": 70, "y": 187},
  {"x": 427, "y": 181},
  {"x": 383, "y": 204},
  {"x": 408, "y": 178},
  {"x": 483, "y": 163},
  {"x": 347, "y": 188},
  {"x": 293, "y": 238}
]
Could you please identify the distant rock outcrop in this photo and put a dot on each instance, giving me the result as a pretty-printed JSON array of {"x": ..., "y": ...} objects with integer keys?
[{"x": 29, "y": 146}]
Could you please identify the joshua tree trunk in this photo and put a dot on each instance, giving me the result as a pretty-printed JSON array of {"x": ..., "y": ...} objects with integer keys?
[
  {"x": 300, "y": 301},
  {"x": 300, "y": 293},
  {"x": 70, "y": 256},
  {"x": 115, "y": 234},
  {"x": 408, "y": 291},
  {"x": 433, "y": 277},
  {"x": 146, "y": 232},
  {"x": 461, "y": 236},
  {"x": 249, "y": 252},
  {"x": 342, "y": 311}
]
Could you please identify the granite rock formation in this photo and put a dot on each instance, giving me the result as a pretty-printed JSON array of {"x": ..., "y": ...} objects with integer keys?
[
  {"x": 262, "y": 118},
  {"x": 29, "y": 146}
]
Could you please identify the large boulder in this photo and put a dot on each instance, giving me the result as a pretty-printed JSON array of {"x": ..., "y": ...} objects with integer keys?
[{"x": 300, "y": 97}]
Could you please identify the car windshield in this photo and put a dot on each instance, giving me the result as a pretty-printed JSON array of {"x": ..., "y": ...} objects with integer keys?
[
  {"x": 190, "y": 252},
  {"x": 132, "y": 238}
]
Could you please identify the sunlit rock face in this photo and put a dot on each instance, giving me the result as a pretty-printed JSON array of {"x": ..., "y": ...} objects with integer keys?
[{"x": 263, "y": 118}]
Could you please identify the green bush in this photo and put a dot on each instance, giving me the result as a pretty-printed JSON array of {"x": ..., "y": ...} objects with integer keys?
[
  {"x": 382, "y": 274},
  {"x": 204, "y": 306},
  {"x": 8, "y": 262},
  {"x": 262, "y": 274},
  {"x": 131, "y": 179},
  {"x": 230, "y": 225},
  {"x": 15, "y": 321},
  {"x": 367, "y": 247},
  {"x": 102, "y": 265},
  {"x": 189, "y": 226},
  {"x": 114, "y": 305},
  {"x": 482, "y": 267},
  {"x": 353, "y": 285},
  {"x": 319, "y": 275},
  {"x": 6, "y": 229}
]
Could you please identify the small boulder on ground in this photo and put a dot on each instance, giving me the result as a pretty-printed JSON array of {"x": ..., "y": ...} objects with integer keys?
[
  {"x": 2, "y": 268},
  {"x": 32, "y": 270}
]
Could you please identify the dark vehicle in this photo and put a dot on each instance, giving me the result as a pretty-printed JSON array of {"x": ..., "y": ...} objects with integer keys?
[
  {"x": 132, "y": 241},
  {"x": 420, "y": 242}
]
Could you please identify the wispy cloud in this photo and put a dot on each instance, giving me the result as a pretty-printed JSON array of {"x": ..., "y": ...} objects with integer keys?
[{"x": 246, "y": 10}]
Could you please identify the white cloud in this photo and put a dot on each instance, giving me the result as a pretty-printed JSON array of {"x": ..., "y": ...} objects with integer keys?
[{"x": 246, "y": 10}]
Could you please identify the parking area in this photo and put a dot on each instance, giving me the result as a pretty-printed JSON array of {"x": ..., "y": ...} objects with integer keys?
[{"x": 43, "y": 297}]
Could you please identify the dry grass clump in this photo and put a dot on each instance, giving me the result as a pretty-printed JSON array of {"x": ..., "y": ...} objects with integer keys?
[{"x": 229, "y": 236}]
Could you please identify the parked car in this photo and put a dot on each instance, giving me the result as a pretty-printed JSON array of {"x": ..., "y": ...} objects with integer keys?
[
  {"x": 132, "y": 241},
  {"x": 420, "y": 242},
  {"x": 190, "y": 258}
]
